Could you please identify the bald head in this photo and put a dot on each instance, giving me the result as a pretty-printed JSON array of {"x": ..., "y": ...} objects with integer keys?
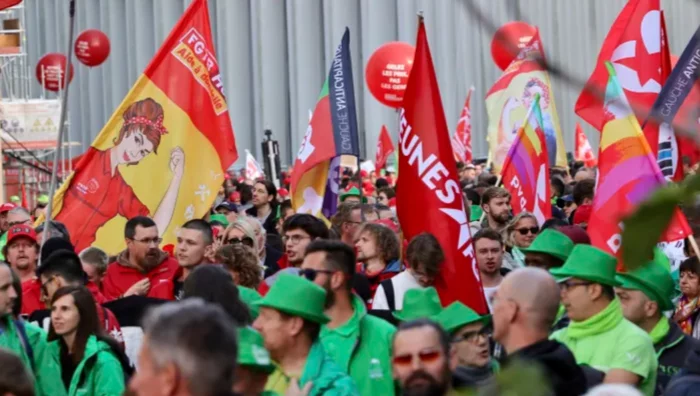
[{"x": 536, "y": 292}]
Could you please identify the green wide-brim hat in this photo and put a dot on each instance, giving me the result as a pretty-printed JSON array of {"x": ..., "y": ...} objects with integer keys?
[
  {"x": 653, "y": 279},
  {"x": 551, "y": 242},
  {"x": 419, "y": 303},
  {"x": 252, "y": 352},
  {"x": 296, "y": 296},
  {"x": 458, "y": 315},
  {"x": 250, "y": 297},
  {"x": 588, "y": 263},
  {"x": 219, "y": 218},
  {"x": 353, "y": 192}
]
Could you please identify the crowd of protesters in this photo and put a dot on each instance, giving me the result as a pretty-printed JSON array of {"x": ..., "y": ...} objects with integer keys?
[{"x": 261, "y": 300}]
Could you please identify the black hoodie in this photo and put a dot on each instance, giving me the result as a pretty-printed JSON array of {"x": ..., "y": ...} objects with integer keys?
[{"x": 558, "y": 363}]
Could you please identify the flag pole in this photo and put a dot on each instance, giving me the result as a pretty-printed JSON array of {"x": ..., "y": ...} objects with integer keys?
[
  {"x": 61, "y": 124},
  {"x": 527, "y": 117}
]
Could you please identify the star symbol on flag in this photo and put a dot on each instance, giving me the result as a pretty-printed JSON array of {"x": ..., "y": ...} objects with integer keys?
[
  {"x": 459, "y": 216},
  {"x": 312, "y": 202}
]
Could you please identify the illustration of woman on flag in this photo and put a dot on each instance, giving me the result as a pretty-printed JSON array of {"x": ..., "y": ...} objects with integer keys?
[{"x": 98, "y": 192}]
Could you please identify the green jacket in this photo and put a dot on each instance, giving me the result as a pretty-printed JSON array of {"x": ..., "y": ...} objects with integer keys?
[
  {"x": 43, "y": 366},
  {"x": 327, "y": 378},
  {"x": 99, "y": 373},
  {"x": 362, "y": 348},
  {"x": 3, "y": 242}
]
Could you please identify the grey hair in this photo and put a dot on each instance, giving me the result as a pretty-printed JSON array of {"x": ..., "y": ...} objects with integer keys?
[
  {"x": 20, "y": 210},
  {"x": 199, "y": 339}
]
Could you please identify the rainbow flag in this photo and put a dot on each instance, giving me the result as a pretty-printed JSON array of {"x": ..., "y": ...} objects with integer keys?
[
  {"x": 511, "y": 97},
  {"x": 332, "y": 132},
  {"x": 163, "y": 152},
  {"x": 627, "y": 173},
  {"x": 525, "y": 172}
]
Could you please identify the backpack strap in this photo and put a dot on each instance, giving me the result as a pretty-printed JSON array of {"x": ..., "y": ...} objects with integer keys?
[
  {"x": 24, "y": 339},
  {"x": 388, "y": 286}
]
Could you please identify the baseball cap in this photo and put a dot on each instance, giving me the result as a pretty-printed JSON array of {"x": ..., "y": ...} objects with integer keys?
[
  {"x": 6, "y": 207},
  {"x": 230, "y": 206},
  {"x": 20, "y": 230}
]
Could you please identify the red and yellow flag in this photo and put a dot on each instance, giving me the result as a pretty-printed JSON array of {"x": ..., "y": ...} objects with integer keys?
[{"x": 163, "y": 152}]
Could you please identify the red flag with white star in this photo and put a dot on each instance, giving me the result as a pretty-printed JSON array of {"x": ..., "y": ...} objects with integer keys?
[
  {"x": 384, "y": 149},
  {"x": 428, "y": 195},
  {"x": 633, "y": 45}
]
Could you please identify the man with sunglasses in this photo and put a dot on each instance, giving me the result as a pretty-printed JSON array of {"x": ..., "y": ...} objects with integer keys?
[
  {"x": 599, "y": 335},
  {"x": 470, "y": 334},
  {"x": 358, "y": 342},
  {"x": 141, "y": 265},
  {"x": 524, "y": 309},
  {"x": 423, "y": 358}
]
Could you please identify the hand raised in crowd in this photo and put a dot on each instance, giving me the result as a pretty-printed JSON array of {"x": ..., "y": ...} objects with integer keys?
[{"x": 139, "y": 288}]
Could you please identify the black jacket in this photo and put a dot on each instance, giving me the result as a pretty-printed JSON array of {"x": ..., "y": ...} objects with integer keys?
[
  {"x": 687, "y": 381},
  {"x": 270, "y": 224},
  {"x": 672, "y": 352},
  {"x": 559, "y": 365}
]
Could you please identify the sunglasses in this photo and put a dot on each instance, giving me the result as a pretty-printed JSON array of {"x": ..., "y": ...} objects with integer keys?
[
  {"x": 423, "y": 356},
  {"x": 311, "y": 274},
  {"x": 235, "y": 241},
  {"x": 531, "y": 230}
]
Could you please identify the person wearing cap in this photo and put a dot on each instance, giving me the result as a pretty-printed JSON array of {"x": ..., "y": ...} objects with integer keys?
[
  {"x": 290, "y": 320},
  {"x": 254, "y": 364},
  {"x": 4, "y": 208},
  {"x": 524, "y": 308},
  {"x": 228, "y": 209},
  {"x": 599, "y": 335},
  {"x": 41, "y": 202},
  {"x": 645, "y": 293},
  {"x": 22, "y": 253},
  {"x": 351, "y": 195},
  {"x": 419, "y": 304},
  {"x": 470, "y": 338},
  {"x": 358, "y": 342},
  {"x": 27, "y": 341}
]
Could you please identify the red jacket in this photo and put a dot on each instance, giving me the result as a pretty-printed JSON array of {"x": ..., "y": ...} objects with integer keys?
[
  {"x": 31, "y": 297},
  {"x": 121, "y": 276},
  {"x": 165, "y": 288}
]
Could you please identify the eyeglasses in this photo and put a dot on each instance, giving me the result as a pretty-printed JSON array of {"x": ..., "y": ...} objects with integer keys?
[
  {"x": 44, "y": 290},
  {"x": 472, "y": 336},
  {"x": 295, "y": 239},
  {"x": 565, "y": 286},
  {"x": 149, "y": 241},
  {"x": 311, "y": 274},
  {"x": 423, "y": 356},
  {"x": 245, "y": 241},
  {"x": 524, "y": 231}
]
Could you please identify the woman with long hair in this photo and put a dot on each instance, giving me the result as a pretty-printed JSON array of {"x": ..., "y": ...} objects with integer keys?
[
  {"x": 91, "y": 362},
  {"x": 520, "y": 233}
]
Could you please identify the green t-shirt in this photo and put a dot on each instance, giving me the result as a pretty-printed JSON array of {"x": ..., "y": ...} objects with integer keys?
[
  {"x": 623, "y": 346},
  {"x": 362, "y": 348}
]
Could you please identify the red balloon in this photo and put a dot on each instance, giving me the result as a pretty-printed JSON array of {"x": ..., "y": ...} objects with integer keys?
[
  {"x": 92, "y": 47},
  {"x": 507, "y": 37},
  {"x": 54, "y": 70},
  {"x": 387, "y": 72}
]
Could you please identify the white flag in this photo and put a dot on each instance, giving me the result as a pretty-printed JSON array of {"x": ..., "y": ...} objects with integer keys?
[{"x": 253, "y": 170}]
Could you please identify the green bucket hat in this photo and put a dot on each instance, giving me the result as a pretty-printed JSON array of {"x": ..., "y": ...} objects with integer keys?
[
  {"x": 652, "y": 279},
  {"x": 475, "y": 212},
  {"x": 296, "y": 296},
  {"x": 419, "y": 303},
  {"x": 353, "y": 192},
  {"x": 219, "y": 218},
  {"x": 252, "y": 352},
  {"x": 551, "y": 242},
  {"x": 250, "y": 297},
  {"x": 588, "y": 263},
  {"x": 458, "y": 315}
]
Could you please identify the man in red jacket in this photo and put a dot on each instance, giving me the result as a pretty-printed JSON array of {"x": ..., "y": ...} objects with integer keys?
[
  {"x": 141, "y": 265},
  {"x": 195, "y": 242},
  {"x": 22, "y": 252}
]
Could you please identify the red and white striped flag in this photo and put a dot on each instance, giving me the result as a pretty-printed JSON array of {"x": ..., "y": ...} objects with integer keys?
[
  {"x": 462, "y": 139},
  {"x": 253, "y": 170}
]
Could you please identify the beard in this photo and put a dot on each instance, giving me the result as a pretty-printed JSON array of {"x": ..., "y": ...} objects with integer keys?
[
  {"x": 430, "y": 386},
  {"x": 150, "y": 260},
  {"x": 502, "y": 218},
  {"x": 330, "y": 296}
]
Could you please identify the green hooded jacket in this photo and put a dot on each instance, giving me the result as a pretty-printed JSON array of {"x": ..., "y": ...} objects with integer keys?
[
  {"x": 99, "y": 373},
  {"x": 362, "y": 348},
  {"x": 45, "y": 368},
  {"x": 327, "y": 378}
]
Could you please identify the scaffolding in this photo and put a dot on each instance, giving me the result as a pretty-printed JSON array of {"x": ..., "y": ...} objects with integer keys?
[{"x": 28, "y": 121}]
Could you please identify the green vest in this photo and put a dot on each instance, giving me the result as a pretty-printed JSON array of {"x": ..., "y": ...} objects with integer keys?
[
  {"x": 44, "y": 367},
  {"x": 99, "y": 373},
  {"x": 362, "y": 348}
]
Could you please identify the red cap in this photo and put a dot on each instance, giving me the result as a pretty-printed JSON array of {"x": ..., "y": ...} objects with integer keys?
[
  {"x": 235, "y": 197},
  {"x": 388, "y": 223},
  {"x": 282, "y": 192},
  {"x": 582, "y": 214},
  {"x": 577, "y": 234},
  {"x": 20, "y": 230},
  {"x": 363, "y": 174},
  {"x": 6, "y": 207},
  {"x": 227, "y": 176}
]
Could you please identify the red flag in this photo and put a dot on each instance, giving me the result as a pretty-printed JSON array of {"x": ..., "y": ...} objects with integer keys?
[
  {"x": 429, "y": 198},
  {"x": 462, "y": 139},
  {"x": 8, "y": 3},
  {"x": 633, "y": 45},
  {"x": 583, "y": 152},
  {"x": 384, "y": 149}
]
